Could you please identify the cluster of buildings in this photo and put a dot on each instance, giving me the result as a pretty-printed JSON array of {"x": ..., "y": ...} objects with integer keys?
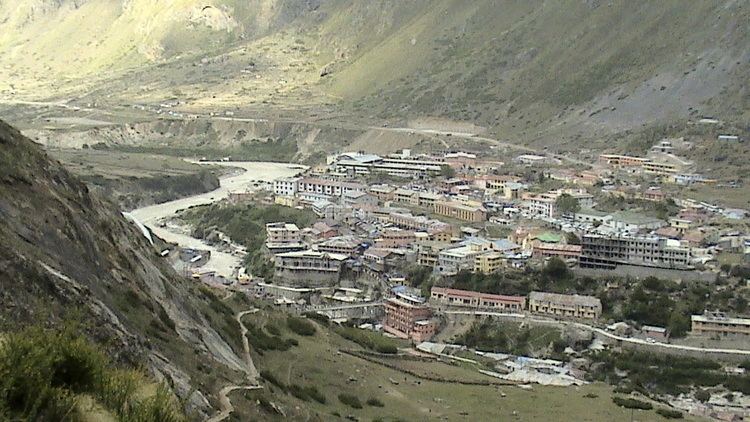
[{"x": 454, "y": 213}]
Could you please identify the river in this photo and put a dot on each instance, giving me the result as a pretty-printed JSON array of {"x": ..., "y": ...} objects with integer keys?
[{"x": 222, "y": 262}]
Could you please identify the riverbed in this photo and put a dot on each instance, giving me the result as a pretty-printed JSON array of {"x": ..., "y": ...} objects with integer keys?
[{"x": 225, "y": 264}]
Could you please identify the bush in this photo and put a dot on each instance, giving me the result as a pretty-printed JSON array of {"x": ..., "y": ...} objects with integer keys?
[
  {"x": 386, "y": 349},
  {"x": 322, "y": 319},
  {"x": 270, "y": 377},
  {"x": 631, "y": 403},
  {"x": 372, "y": 401},
  {"x": 702, "y": 395},
  {"x": 350, "y": 400},
  {"x": 261, "y": 341},
  {"x": 273, "y": 329},
  {"x": 368, "y": 339},
  {"x": 669, "y": 413},
  {"x": 298, "y": 392},
  {"x": 43, "y": 371},
  {"x": 300, "y": 326},
  {"x": 316, "y": 395}
]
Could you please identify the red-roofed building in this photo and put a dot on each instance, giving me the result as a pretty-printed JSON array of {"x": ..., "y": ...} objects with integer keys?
[
  {"x": 543, "y": 250},
  {"x": 468, "y": 298},
  {"x": 409, "y": 319}
]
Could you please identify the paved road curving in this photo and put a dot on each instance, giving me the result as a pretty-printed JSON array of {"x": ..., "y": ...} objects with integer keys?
[{"x": 222, "y": 262}]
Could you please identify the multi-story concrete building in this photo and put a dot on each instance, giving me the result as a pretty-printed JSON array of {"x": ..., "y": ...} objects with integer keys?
[
  {"x": 395, "y": 238},
  {"x": 358, "y": 198},
  {"x": 489, "y": 262},
  {"x": 309, "y": 268},
  {"x": 471, "y": 299},
  {"x": 438, "y": 230},
  {"x": 618, "y": 161},
  {"x": 633, "y": 222},
  {"x": 666, "y": 165},
  {"x": 330, "y": 188},
  {"x": 285, "y": 186},
  {"x": 572, "y": 306},
  {"x": 383, "y": 192},
  {"x": 545, "y": 250},
  {"x": 345, "y": 245},
  {"x": 364, "y": 164},
  {"x": 545, "y": 204},
  {"x": 409, "y": 318},
  {"x": 607, "y": 252},
  {"x": 718, "y": 324},
  {"x": 428, "y": 252},
  {"x": 460, "y": 211},
  {"x": 282, "y": 233},
  {"x": 463, "y": 257}
]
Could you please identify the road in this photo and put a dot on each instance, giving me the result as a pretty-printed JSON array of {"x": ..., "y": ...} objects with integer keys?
[
  {"x": 475, "y": 137},
  {"x": 222, "y": 262},
  {"x": 739, "y": 352},
  {"x": 422, "y": 131}
]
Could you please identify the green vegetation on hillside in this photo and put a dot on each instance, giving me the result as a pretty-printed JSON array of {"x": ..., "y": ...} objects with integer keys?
[
  {"x": 47, "y": 374},
  {"x": 281, "y": 150},
  {"x": 407, "y": 387},
  {"x": 650, "y": 373},
  {"x": 246, "y": 225},
  {"x": 490, "y": 335}
]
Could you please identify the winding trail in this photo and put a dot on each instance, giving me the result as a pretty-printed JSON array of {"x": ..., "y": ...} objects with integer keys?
[{"x": 225, "y": 403}]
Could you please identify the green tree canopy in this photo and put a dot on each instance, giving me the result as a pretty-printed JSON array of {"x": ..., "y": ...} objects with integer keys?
[{"x": 567, "y": 204}]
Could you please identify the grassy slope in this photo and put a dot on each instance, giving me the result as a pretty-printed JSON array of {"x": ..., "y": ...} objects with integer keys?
[{"x": 316, "y": 362}]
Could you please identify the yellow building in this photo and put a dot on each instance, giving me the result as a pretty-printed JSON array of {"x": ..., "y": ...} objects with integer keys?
[
  {"x": 488, "y": 262},
  {"x": 287, "y": 201},
  {"x": 460, "y": 211}
]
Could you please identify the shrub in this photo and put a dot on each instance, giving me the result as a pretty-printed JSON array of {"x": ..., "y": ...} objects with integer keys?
[
  {"x": 298, "y": 392},
  {"x": 372, "y": 401},
  {"x": 270, "y": 377},
  {"x": 702, "y": 395},
  {"x": 669, "y": 413},
  {"x": 300, "y": 326},
  {"x": 368, "y": 339},
  {"x": 324, "y": 320},
  {"x": 43, "y": 371},
  {"x": 386, "y": 348},
  {"x": 273, "y": 329},
  {"x": 261, "y": 341},
  {"x": 631, "y": 403},
  {"x": 350, "y": 400},
  {"x": 314, "y": 394}
]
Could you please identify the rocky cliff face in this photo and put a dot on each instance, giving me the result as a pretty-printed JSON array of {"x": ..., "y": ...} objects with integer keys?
[{"x": 68, "y": 254}]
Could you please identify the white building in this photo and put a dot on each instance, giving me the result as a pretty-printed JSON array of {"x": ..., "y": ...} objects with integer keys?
[{"x": 285, "y": 186}]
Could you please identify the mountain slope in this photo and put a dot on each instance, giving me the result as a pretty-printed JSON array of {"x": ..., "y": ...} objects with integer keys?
[
  {"x": 531, "y": 71},
  {"x": 67, "y": 254}
]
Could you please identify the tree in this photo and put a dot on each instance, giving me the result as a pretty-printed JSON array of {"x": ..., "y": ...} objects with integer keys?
[
  {"x": 702, "y": 395},
  {"x": 447, "y": 171},
  {"x": 566, "y": 204},
  {"x": 572, "y": 239},
  {"x": 679, "y": 324},
  {"x": 556, "y": 268}
]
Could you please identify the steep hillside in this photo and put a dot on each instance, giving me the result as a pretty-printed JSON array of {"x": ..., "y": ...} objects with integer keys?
[
  {"x": 69, "y": 255},
  {"x": 529, "y": 71}
]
